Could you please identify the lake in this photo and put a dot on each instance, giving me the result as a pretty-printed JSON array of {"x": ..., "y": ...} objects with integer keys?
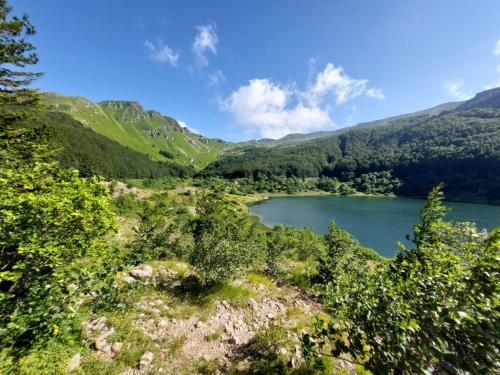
[{"x": 377, "y": 222}]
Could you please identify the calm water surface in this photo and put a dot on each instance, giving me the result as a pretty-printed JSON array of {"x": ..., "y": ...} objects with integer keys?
[{"x": 376, "y": 222}]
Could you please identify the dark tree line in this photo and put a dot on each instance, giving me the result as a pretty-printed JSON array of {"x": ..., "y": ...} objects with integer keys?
[{"x": 459, "y": 148}]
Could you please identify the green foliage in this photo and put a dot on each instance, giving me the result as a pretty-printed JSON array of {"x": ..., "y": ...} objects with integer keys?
[
  {"x": 434, "y": 309},
  {"x": 294, "y": 243},
  {"x": 16, "y": 101},
  {"x": 225, "y": 241},
  {"x": 459, "y": 148},
  {"x": 52, "y": 222},
  {"x": 163, "y": 232},
  {"x": 95, "y": 154}
]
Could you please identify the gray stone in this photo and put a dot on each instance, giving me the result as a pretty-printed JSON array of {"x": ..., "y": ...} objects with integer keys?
[
  {"x": 142, "y": 271},
  {"x": 128, "y": 279}
]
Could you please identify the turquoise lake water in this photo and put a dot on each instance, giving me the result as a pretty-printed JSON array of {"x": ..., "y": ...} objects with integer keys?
[{"x": 376, "y": 222}]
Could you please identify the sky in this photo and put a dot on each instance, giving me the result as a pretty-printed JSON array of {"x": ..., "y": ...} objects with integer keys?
[{"x": 242, "y": 70}]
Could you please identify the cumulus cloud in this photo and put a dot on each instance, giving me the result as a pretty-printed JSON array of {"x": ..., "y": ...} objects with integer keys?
[
  {"x": 205, "y": 42},
  {"x": 161, "y": 52},
  {"x": 496, "y": 49},
  {"x": 332, "y": 80},
  {"x": 273, "y": 110},
  {"x": 455, "y": 89},
  {"x": 215, "y": 78}
]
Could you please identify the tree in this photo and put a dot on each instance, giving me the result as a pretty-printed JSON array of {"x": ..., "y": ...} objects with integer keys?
[
  {"x": 16, "y": 101},
  {"x": 50, "y": 218}
]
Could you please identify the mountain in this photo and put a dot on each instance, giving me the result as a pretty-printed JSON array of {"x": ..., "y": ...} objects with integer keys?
[
  {"x": 159, "y": 137},
  {"x": 458, "y": 144},
  {"x": 486, "y": 99},
  {"x": 95, "y": 154},
  {"x": 298, "y": 137}
]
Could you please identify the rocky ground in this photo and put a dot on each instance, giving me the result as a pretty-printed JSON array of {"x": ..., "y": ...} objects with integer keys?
[{"x": 190, "y": 333}]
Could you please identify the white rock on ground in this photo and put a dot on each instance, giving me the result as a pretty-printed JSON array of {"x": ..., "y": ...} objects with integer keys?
[
  {"x": 74, "y": 362},
  {"x": 146, "y": 360},
  {"x": 116, "y": 347},
  {"x": 142, "y": 271}
]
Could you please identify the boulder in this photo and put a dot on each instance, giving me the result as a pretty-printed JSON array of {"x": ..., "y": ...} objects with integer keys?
[{"x": 128, "y": 279}]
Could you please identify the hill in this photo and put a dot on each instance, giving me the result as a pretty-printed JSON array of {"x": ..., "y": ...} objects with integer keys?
[
  {"x": 159, "y": 137},
  {"x": 95, "y": 154},
  {"x": 458, "y": 147},
  {"x": 298, "y": 137}
]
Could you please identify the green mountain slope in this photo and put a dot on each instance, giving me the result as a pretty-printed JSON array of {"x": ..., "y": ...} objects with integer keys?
[
  {"x": 460, "y": 148},
  {"x": 94, "y": 154},
  {"x": 295, "y": 138},
  {"x": 148, "y": 132}
]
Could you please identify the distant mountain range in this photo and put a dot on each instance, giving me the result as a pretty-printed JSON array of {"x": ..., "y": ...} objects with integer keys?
[
  {"x": 455, "y": 143},
  {"x": 458, "y": 143}
]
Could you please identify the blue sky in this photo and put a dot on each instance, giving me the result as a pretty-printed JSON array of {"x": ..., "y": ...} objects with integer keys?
[{"x": 250, "y": 69}]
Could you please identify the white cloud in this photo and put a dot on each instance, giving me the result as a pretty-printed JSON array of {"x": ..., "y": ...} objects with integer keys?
[
  {"x": 333, "y": 80},
  {"x": 455, "y": 89},
  {"x": 205, "y": 41},
  {"x": 496, "y": 49},
  {"x": 273, "y": 110},
  {"x": 161, "y": 52},
  {"x": 215, "y": 78}
]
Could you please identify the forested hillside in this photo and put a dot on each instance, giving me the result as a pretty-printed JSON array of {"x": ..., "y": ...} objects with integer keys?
[
  {"x": 149, "y": 132},
  {"x": 458, "y": 147},
  {"x": 94, "y": 154}
]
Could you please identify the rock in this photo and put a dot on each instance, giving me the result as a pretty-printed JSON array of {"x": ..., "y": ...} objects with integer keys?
[
  {"x": 199, "y": 324},
  {"x": 142, "y": 271},
  {"x": 74, "y": 362},
  {"x": 253, "y": 304},
  {"x": 128, "y": 279},
  {"x": 102, "y": 346},
  {"x": 233, "y": 341},
  {"x": 146, "y": 360},
  {"x": 162, "y": 323},
  {"x": 270, "y": 316},
  {"x": 116, "y": 347},
  {"x": 106, "y": 334}
]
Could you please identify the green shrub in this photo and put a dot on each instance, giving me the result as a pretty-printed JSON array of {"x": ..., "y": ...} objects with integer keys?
[
  {"x": 434, "y": 309},
  {"x": 225, "y": 241}
]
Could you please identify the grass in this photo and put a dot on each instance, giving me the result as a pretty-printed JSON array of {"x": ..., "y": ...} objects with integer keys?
[{"x": 187, "y": 148}]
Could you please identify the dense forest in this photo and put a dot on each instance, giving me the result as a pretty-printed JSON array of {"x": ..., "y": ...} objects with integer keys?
[
  {"x": 96, "y": 155},
  {"x": 460, "y": 148}
]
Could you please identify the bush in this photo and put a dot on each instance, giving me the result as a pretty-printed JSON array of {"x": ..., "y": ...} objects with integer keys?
[
  {"x": 49, "y": 219},
  {"x": 435, "y": 309},
  {"x": 225, "y": 241}
]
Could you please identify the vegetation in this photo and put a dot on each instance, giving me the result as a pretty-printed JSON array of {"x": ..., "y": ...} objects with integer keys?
[
  {"x": 96, "y": 155},
  {"x": 459, "y": 148},
  {"x": 184, "y": 258},
  {"x": 158, "y": 137},
  {"x": 432, "y": 309},
  {"x": 50, "y": 218}
]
